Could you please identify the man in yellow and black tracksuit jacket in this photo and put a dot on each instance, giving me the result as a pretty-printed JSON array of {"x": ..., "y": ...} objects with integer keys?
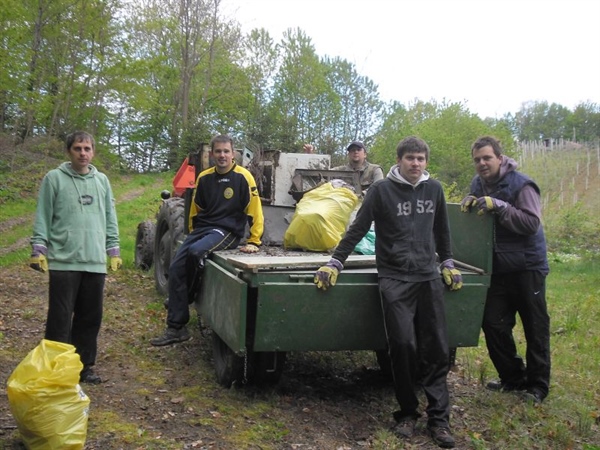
[{"x": 225, "y": 200}]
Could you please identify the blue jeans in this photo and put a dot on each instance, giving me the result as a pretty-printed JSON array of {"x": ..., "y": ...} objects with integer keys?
[{"x": 187, "y": 266}]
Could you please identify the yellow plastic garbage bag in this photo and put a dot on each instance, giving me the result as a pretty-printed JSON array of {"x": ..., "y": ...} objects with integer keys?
[
  {"x": 320, "y": 219},
  {"x": 49, "y": 406}
]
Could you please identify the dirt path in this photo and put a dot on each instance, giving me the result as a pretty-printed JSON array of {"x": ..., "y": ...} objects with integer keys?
[{"x": 167, "y": 398}]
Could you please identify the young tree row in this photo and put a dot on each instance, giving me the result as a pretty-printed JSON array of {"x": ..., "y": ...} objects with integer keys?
[{"x": 539, "y": 121}]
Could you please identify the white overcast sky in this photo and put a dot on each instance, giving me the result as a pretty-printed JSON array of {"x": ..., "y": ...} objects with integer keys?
[{"x": 491, "y": 55}]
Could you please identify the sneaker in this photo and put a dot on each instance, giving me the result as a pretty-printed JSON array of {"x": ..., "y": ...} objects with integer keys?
[
  {"x": 405, "y": 428},
  {"x": 171, "y": 336},
  {"x": 532, "y": 396},
  {"x": 501, "y": 386},
  {"x": 441, "y": 436},
  {"x": 88, "y": 376}
]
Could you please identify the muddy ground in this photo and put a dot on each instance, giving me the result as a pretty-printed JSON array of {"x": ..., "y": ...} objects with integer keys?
[{"x": 155, "y": 398}]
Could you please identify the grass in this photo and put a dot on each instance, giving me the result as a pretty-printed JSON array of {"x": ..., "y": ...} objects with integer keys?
[
  {"x": 137, "y": 201},
  {"x": 137, "y": 197},
  {"x": 570, "y": 415},
  {"x": 569, "y": 179}
]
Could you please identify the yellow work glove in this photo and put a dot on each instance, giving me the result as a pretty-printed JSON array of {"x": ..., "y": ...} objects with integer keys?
[
  {"x": 467, "y": 203},
  {"x": 327, "y": 275},
  {"x": 38, "y": 259},
  {"x": 115, "y": 263},
  {"x": 249, "y": 248},
  {"x": 490, "y": 204},
  {"x": 39, "y": 263},
  {"x": 452, "y": 276}
]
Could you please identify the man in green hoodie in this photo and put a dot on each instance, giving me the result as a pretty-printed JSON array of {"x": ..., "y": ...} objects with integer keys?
[{"x": 74, "y": 233}]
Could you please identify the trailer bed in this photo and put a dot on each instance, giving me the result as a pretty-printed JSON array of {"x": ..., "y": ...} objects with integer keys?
[
  {"x": 279, "y": 259},
  {"x": 262, "y": 305}
]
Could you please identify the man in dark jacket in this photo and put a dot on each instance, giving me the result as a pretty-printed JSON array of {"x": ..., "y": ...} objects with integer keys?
[
  {"x": 411, "y": 222},
  {"x": 368, "y": 173},
  {"x": 520, "y": 267}
]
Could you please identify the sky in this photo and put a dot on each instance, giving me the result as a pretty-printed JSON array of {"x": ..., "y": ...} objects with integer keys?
[{"x": 490, "y": 55}]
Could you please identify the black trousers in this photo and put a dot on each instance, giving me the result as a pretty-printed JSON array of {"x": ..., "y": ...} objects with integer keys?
[
  {"x": 415, "y": 325},
  {"x": 75, "y": 311},
  {"x": 523, "y": 293}
]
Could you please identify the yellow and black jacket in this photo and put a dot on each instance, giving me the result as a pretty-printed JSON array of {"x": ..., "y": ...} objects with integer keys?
[{"x": 228, "y": 201}]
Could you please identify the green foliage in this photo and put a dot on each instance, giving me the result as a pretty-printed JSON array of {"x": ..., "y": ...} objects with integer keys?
[
  {"x": 584, "y": 122},
  {"x": 152, "y": 80},
  {"x": 138, "y": 199},
  {"x": 543, "y": 121},
  {"x": 449, "y": 129},
  {"x": 300, "y": 92}
]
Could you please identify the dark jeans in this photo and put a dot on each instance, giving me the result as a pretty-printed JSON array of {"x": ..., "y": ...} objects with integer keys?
[
  {"x": 75, "y": 311},
  {"x": 415, "y": 325},
  {"x": 523, "y": 293},
  {"x": 187, "y": 267}
]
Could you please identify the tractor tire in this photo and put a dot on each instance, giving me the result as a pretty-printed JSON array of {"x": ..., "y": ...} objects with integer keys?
[
  {"x": 168, "y": 237},
  {"x": 144, "y": 245},
  {"x": 229, "y": 367}
]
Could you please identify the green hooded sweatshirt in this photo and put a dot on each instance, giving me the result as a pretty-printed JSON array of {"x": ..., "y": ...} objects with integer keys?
[{"x": 76, "y": 220}]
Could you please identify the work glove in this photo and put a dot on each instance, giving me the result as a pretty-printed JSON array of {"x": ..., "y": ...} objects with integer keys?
[
  {"x": 467, "y": 203},
  {"x": 452, "y": 276},
  {"x": 114, "y": 258},
  {"x": 490, "y": 204},
  {"x": 115, "y": 263},
  {"x": 249, "y": 248},
  {"x": 38, "y": 259},
  {"x": 327, "y": 275}
]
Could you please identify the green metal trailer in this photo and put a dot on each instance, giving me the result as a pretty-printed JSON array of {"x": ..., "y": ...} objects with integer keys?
[{"x": 261, "y": 306}]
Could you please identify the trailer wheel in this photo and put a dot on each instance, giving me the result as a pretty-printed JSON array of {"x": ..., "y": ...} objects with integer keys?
[
  {"x": 268, "y": 367},
  {"x": 229, "y": 367},
  {"x": 169, "y": 236},
  {"x": 384, "y": 361},
  {"x": 144, "y": 245}
]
